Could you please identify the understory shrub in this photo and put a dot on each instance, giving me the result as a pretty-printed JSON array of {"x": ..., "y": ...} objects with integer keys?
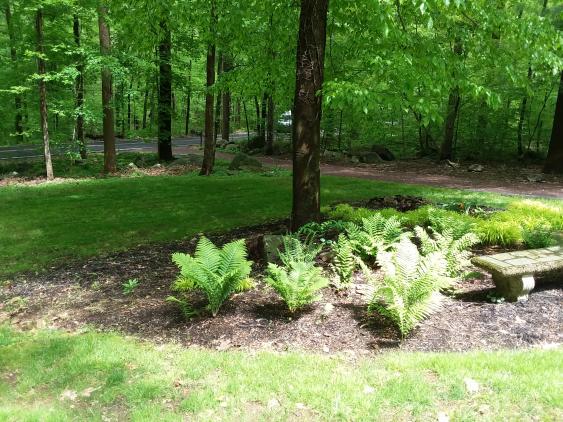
[
  {"x": 298, "y": 280},
  {"x": 217, "y": 272},
  {"x": 410, "y": 289},
  {"x": 537, "y": 234}
]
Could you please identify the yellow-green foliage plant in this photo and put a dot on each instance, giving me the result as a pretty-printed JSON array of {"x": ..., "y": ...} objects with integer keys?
[{"x": 217, "y": 272}]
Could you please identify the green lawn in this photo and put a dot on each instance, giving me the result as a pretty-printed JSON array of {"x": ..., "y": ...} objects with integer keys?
[
  {"x": 41, "y": 225},
  {"x": 51, "y": 376}
]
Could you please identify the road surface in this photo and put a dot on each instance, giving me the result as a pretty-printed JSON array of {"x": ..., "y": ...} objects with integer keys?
[{"x": 25, "y": 152}]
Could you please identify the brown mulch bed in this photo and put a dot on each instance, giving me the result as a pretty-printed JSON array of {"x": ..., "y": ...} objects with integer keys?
[{"x": 90, "y": 294}]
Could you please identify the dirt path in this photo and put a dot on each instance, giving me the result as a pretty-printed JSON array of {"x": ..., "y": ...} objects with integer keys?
[{"x": 496, "y": 178}]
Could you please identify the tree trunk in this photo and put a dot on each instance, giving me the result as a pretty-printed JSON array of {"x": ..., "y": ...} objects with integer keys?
[
  {"x": 307, "y": 112},
  {"x": 189, "y": 100},
  {"x": 129, "y": 110},
  {"x": 14, "y": 57},
  {"x": 270, "y": 133},
  {"x": 218, "y": 102},
  {"x": 226, "y": 119},
  {"x": 264, "y": 116},
  {"x": 246, "y": 119},
  {"x": 43, "y": 93},
  {"x": 145, "y": 104},
  {"x": 107, "y": 94},
  {"x": 446, "y": 150},
  {"x": 258, "y": 126},
  {"x": 209, "y": 145},
  {"x": 554, "y": 161},
  {"x": 165, "y": 94},
  {"x": 79, "y": 87}
]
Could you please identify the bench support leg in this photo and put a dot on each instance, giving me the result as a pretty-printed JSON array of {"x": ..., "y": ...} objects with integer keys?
[{"x": 514, "y": 288}]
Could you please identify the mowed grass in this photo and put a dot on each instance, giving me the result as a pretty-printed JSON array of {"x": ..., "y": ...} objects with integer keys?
[
  {"x": 45, "y": 224},
  {"x": 53, "y": 376}
]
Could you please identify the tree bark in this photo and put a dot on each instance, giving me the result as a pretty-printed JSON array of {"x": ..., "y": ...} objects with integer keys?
[
  {"x": 165, "y": 93},
  {"x": 258, "y": 125},
  {"x": 79, "y": 88},
  {"x": 446, "y": 150},
  {"x": 107, "y": 94},
  {"x": 14, "y": 57},
  {"x": 226, "y": 119},
  {"x": 43, "y": 93},
  {"x": 270, "y": 133},
  {"x": 307, "y": 112},
  {"x": 218, "y": 101},
  {"x": 209, "y": 144},
  {"x": 554, "y": 161},
  {"x": 189, "y": 100}
]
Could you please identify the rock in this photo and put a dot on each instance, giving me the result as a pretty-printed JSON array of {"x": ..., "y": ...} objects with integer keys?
[
  {"x": 333, "y": 156},
  {"x": 383, "y": 152},
  {"x": 328, "y": 309},
  {"x": 132, "y": 166},
  {"x": 370, "y": 158},
  {"x": 443, "y": 417},
  {"x": 452, "y": 164},
  {"x": 471, "y": 385},
  {"x": 368, "y": 389},
  {"x": 157, "y": 166},
  {"x": 535, "y": 178},
  {"x": 477, "y": 168},
  {"x": 272, "y": 244},
  {"x": 14, "y": 174},
  {"x": 273, "y": 403},
  {"x": 243, "y": 161},
  {"x": 354, "y": 160}
]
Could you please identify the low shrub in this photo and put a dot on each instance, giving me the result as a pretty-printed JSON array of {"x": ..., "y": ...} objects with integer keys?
[
  {"x": 537, "y": 233},
  {"x": 495, "y": 231},
  {"x": 217, "y": 272}
]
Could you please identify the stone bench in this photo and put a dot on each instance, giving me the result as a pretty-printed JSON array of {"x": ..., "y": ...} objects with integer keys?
[{"x": 513, "y": 272}]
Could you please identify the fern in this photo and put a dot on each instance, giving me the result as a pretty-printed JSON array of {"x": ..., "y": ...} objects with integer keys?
[
  {"x": 294, "y": 250},
  {"x": 344, "y": 260},
  {"x": 410, "y": 290},
  {"x": 217, "y": 272},
  {"x": 455, "y": 250},
  {"x": 375, "y": 234},
  {"x": 297, "y": 284}
]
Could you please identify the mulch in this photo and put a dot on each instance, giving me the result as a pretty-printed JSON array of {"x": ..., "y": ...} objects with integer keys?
[{"x": 89, "y": 294}]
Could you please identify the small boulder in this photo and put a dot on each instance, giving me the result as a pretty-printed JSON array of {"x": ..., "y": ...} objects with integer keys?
[
  {"x": 535, "y": 178},
  {"x": 14, "y": 174},
  {"x": 354, "y": 160},
  {"x": 384, "y": 153},
  {"x": 476, "y": 168},
  {"x": 272, "y": 244},
  {"x": 244, "y": 162},
  {"x": 132, "y": 166},
  {"x": 370, "y": 158}
]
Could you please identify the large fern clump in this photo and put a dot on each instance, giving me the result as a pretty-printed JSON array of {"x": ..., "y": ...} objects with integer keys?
[
  {"x": 375, "y": 234},
  {"x": 410, "y": 289},
  {"x": 218, "y": 272},
  {"x": 456, "y": 251},
  {"x": 298, "y": 280}
]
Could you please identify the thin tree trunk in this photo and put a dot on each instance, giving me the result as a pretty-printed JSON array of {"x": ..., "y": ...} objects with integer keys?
[
  {"x": 165, "y": 93},
  {"x": 264, "y": 116},
  {"x": 209, "y": 145},
  {"x": 446, "y": 150},
  {"x": 307, "y": 112},
  {"x": 226, "y": 119},
  {"x": 145, "y": 104},
  {"x": 257, "y": 106},
  {"x": 522, "y": 118},
  {"x": 270, "y": 133},
  {"x": 79, "y": 87},
  {"x": 189, "y": 100},
  {"x": 107, "y": 94},
  {"x": 43, "y": 93},
  {"x": 218, "y": 100},
  {"x": 247, "y": 124},
  {"x": 14, "y": 57},
  {"x": 554, "y": 161},
  {"x": 129, "y": 104}
]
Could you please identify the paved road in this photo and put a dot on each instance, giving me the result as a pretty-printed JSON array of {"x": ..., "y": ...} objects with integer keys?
[{"x": 22, "y": 152}]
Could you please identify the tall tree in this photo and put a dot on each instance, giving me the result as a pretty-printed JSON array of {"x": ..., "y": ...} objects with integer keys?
[
  {"x": 43, "y": 92},
  {"x": 79, "y": 88},
  {"x": 14, "y": 57},
  {"x": 165, "y": 92},
  {"x": 307, "y": 112},
  {"x": 226, "y": 119},
  {"x": 554, "y": 162},
  {"x": 209, "y": 144},
  {"x": 110, "y": 165},
  {"x": 446, "y": 150}
]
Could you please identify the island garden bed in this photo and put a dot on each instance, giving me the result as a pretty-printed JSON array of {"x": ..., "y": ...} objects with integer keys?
[{"x": 90, "y": 294}]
